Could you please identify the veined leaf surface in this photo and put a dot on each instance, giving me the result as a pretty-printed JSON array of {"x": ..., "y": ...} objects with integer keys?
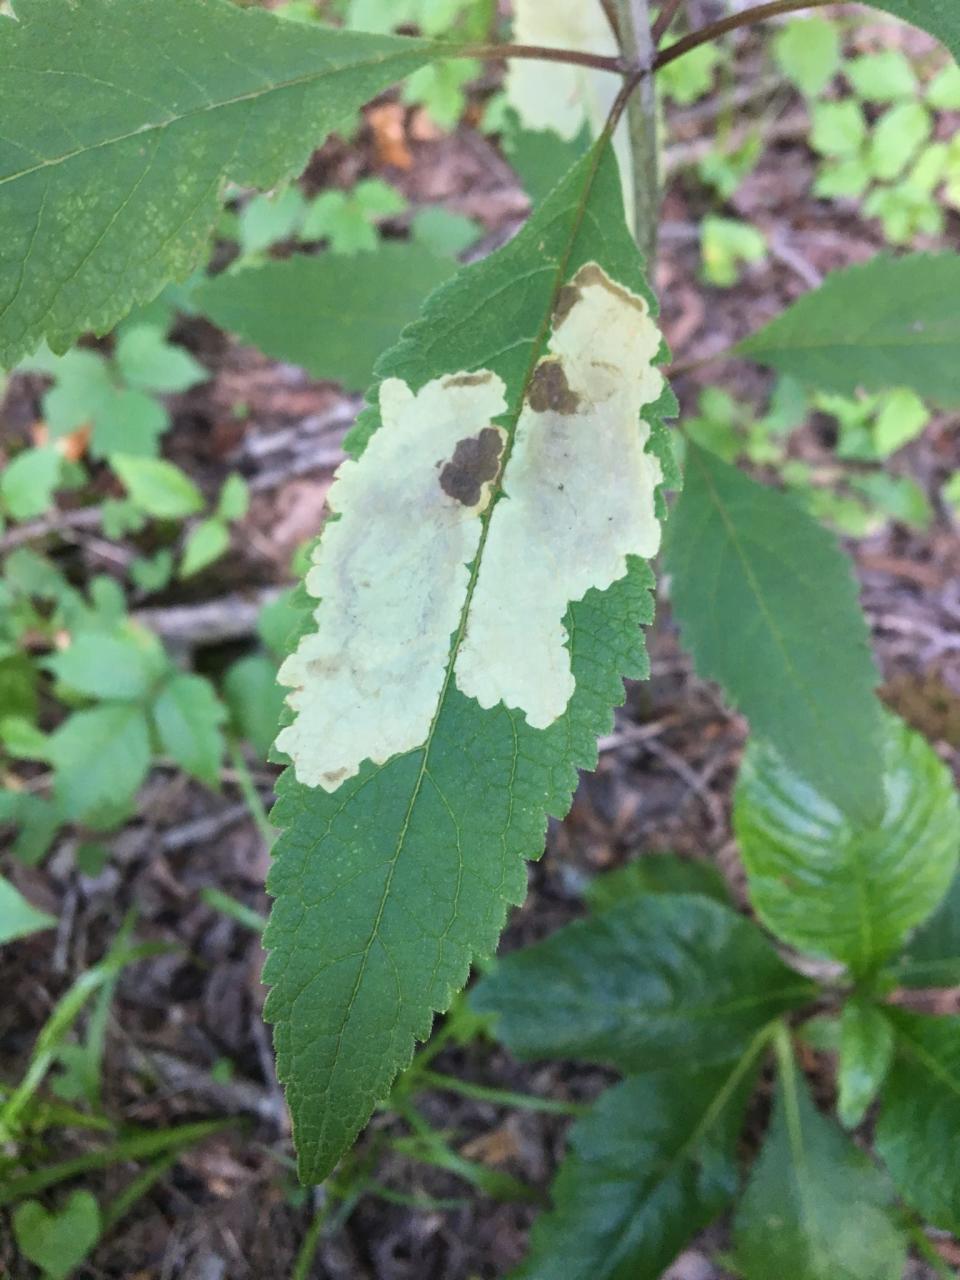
[
  {"x": 391, "y": 876},
  {"x": 121, "y": 121}
]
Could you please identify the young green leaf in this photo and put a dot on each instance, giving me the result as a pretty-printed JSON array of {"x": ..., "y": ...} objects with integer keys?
[
  {"x": 665, "y": 980},
  {"x": 255, "y": 699},
  {"x": 148, "y": 362},
  {"x": 832, "y": 887},
  {"x": 157, "y": 487},
  {"x": 866, "y": 1050},
  {"x": 116, "y": 148},
  {"x": 917, "y": 1132},
  {"x": 767, "y": 604},
  {"x": 101, "y": 756},
  {"x": 18, "y": 919},
  {"x": 657, "y": 873},
  {"x": 807, "y": 50},
  {"x": 188, "y": 716},
  {"x": 119, "y": 666},
  {"x": 57, "y": 1242},
  {"x": 293, "y": 309},
  {"x": 436, "y": 731},
  {"x": 234, "y": 500},
  {"x": 815, "y": 1207},
  {"x": 652, "y": 1164},
  {"x": 931, "y": 957},
  {"x": 205, "y": 544},
  {"x": 892, "y": 322}
]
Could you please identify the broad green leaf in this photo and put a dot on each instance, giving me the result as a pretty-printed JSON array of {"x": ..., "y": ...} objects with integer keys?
[
  {"x": 828, "y": 885},
  {"x": 294, "y": 309},
  {"x": 657, "y": 873},
  {"x": 255, "y": 699},
  {"x": 892, "y": 322},
  {"x": 664, "y": 980},
  {"x": 57, "y": 1242},
  {"x": 157, "y": 487},
  {"x": 122, "y": 120},
  {"x": 807, "y": 50},
  {"x": 940, "y": 17},
  {"x": 101, "y": 757},
  {"x": 767, "y": 605},
  {"x": 119, "y": 666},
  {"x": 148, "y": 362},
  {"x": 205, "y": 544},
  {"x": 838, "y": 128},
  {"x": 18, "y": 918},
  {"x": 931, "y": 958},
  {"x": 866, "y": 1050},
  {"x": 882, "y": 77},
  {"x": 815, "y": 1207},
  {"x": 917, "y": 1132},
  {"x": 437, "y": 774},
  {"x": 234, "y": 500},
  {"x": 897, "y": 138},
  {"x": 27, "y": 484},
  {"x": 268, "y": 218},
  {"x": 653, "y": 1163},
  {"x": 188, "y": 716}
]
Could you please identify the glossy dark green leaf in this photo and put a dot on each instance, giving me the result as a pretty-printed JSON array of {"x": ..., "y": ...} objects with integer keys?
[
  {"x": 830, "y": 887},
  {"x": 649, "y": 1166},
  {"x": 657, "y": 980},
  {"x": 920, "y": 1118},
  {"x": 657, "y": 873},
  {"x": 866, "y": 1050},
  {"x": 767, "y": 605},
  {"x": 815, "y": 1207},
  {"x": 931, "y": 958}
]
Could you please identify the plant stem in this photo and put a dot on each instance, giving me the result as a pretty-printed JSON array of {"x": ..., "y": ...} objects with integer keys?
[
  {"x": 927, "y": 1250},
  {"x": 745, "y": 18},
  {"x": 248, "y": 789},
  {"x": 308, "y": 1249},
  {"x": 637, "y": 47},
  {"x": 500, "y": 1097},
  {"x": 541, "y": 53},
  {"x": 664, "y": 18}
]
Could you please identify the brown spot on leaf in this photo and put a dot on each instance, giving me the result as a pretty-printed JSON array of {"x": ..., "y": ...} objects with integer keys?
[
  {"x": 594, "y": 274},
  {"x": 549, "y": 389},
  {"x": 468, "y": 379},
  {"x": 475, "y": 461},
  {"x": 567, "y": 299}
]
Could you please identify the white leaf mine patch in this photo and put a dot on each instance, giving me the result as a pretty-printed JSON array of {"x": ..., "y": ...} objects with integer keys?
[
  {"x": 391, "y": 577},
  {"x": 578, "y": 498}
]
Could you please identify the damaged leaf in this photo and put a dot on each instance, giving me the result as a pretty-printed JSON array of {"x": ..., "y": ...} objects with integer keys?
[{"x": 412, "y": 806}]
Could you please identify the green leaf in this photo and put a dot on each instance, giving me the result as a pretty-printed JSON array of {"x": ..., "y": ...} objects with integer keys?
[
  {"x": 389, "y": 882},
  {"x": 815, "y": 1207},
  {"x": 234, "y": 500},
  {"x": 116, "y": 149},
  {"x": 206, "y": 543},
  {"x": 897, "y": 137},
  {"x": 442, "y": 232},
  {"x": 128, "y": 422},
  {"x": 157, "y": 487},
  {"x": 657, "y": 873},
  {"x": 293, "y": 309},
  {"x": 268, "y": 218},
  {"x": 807, "y": 51},
  {"x": 255, "y": 699},
  {"x": 119, "y": 666},
  {"x": 882, "y": 77},
  {"x": 931, "y": 957},
  {"x": 725, "y": 243},
  {"x": 866, "y": 1050},
  {"x": 917, "y": 1131},
  {"x": 831, "y": 886},
  {"x": 28, "y": 483},
  {"x": 18, "y": 919},
  {"x": 838, "y": 128},
  {"x": 767, "y": 605},
  {"x": 188, "y": 715},
  {"x": 101, "y": 757},
  {"x": 148, "y": 362},
  {"x": 57, "y": 1242},
  {"x": 665, "y": 980},
  {"x": 651, "y": 1164},
  {"x": 892, "y": 322},
  {"x": 943, "y": 92},
  {"x": 940, "y": 17}
]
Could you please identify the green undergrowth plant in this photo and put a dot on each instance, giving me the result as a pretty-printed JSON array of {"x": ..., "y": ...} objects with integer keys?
[
  {"x": 670, "y": 985},
  {"x": 476, "y": 599}
]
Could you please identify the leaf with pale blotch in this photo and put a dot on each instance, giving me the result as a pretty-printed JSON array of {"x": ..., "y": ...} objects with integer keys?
[
  {"x": 390, "y": 879},
  {"x": 123, "y": 118}
]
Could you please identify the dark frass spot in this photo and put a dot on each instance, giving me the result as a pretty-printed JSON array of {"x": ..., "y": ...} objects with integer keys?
[
  {"x": 567, "y": 298},
  {"x": 468, "y": 379},
  {"x": 475, "y": 461},
  {"x": 549, "y": 389}
]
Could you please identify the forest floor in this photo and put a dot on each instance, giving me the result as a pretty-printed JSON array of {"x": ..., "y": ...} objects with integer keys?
[{"x": 228, "y": 1207}]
